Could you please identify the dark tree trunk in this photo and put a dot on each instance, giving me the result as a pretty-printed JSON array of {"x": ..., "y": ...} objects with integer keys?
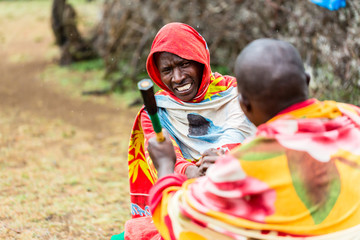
[{"x": 73, "y": 46}]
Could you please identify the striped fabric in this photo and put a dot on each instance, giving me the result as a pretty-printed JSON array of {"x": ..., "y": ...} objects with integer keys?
[{"x": 297, "y": 179}]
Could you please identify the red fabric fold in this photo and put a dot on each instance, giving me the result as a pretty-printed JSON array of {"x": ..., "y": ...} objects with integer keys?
[
  {"x": 141, "y": 228},
  {"x": 156, "y": 192}
]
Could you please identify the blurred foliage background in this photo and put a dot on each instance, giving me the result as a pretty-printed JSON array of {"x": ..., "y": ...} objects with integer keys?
[{"x": 328, "y": 41}]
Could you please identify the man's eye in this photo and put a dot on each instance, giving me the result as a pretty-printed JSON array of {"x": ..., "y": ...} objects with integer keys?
[
  {"x": 166, "y": 70},
  {"x": 185, "y": 64}
]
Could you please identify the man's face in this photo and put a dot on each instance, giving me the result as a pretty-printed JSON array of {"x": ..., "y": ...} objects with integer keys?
[{"x": 181, "y": 76}]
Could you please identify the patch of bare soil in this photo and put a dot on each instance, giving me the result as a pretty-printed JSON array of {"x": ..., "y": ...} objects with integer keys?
[{"x": 63, "y": 162}]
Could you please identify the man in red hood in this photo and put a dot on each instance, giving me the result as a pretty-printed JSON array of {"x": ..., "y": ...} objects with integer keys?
[
  {"x": 197, "y": 107},
  {"x": 179, "y": 63}
]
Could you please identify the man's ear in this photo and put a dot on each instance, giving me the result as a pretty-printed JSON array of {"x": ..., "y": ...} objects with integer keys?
[
  {"x": 308, "y": 78},
  {"x": 245, "y": 104}
]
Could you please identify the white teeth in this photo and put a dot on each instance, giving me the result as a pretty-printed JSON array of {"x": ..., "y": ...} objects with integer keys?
[{"x": 184, "y": 88}]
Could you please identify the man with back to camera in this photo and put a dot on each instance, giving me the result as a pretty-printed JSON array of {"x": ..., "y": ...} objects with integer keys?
[{"x": 293, "y": 180}]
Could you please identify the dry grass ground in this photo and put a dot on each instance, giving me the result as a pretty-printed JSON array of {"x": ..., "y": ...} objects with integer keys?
[{"x": 63, "y": 163}]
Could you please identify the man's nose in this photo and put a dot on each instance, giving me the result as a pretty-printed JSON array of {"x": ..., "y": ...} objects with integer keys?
[{"x": 178, "y": 75}]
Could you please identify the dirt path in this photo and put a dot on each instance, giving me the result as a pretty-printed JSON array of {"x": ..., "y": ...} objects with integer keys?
[{"x": 63, "y": 172}]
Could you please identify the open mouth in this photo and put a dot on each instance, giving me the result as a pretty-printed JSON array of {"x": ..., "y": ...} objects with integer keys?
[{"x": 184, "y": 88}]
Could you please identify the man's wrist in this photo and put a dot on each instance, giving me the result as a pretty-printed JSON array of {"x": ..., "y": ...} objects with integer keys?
[
  {"x": 165, "y": 168},
  {"x": 192, "y": 171}
]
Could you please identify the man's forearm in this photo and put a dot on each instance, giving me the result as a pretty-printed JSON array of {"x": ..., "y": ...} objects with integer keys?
[{"x": 166, "y": 168}]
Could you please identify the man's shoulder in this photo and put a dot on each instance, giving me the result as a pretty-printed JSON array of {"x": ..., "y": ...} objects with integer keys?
[
  {"x": 259, "y": 148},
  {"x": 226, "y": 78}
]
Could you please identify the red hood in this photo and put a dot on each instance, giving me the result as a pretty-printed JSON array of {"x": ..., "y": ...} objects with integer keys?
[{"x": 187, "y": 43}]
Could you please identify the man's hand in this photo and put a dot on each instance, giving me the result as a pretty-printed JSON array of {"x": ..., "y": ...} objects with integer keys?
[
  {"x": 207, "y": 159},
  {"x": 162, "y": 154}
]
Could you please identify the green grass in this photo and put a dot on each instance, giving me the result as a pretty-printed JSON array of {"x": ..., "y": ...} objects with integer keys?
[
  {"x": 89, "y": 76},
  {"x": 59, "y": 180},
  {"x": 91, "y": 65},
  {"x": 15, "y": 9}
]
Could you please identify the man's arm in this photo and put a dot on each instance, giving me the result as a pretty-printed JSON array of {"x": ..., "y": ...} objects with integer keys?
[
  {"x": 163, "y": 155},
  {"x": 159, "y": 199},
  {"x": 164, "y": 158},
  {"x": 226, "y": 189},
  {"x": 182, "y": 166}
]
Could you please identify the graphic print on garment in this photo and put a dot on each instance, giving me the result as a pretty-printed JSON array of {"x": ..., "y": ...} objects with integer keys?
[
  {"x": 203, "y": 129},
  {"x": 198, "y": 125}
]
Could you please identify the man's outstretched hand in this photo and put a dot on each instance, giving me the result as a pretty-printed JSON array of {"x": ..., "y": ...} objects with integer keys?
[
  {"x": 162, "y": 154},
  {"x": 207, "y": 159}
]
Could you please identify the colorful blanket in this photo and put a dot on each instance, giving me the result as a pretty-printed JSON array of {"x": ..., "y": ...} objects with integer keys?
[{"x": 297, "y": 179}]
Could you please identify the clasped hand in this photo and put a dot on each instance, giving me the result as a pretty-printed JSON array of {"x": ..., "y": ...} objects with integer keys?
[{"x": 163, "y": 156}]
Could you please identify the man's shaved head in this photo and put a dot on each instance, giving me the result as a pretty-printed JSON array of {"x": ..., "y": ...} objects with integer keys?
[{"x": 271, "y": 77}]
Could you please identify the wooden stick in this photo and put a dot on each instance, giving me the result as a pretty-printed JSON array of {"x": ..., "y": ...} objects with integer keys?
[{"x": 147, "y": 92}]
